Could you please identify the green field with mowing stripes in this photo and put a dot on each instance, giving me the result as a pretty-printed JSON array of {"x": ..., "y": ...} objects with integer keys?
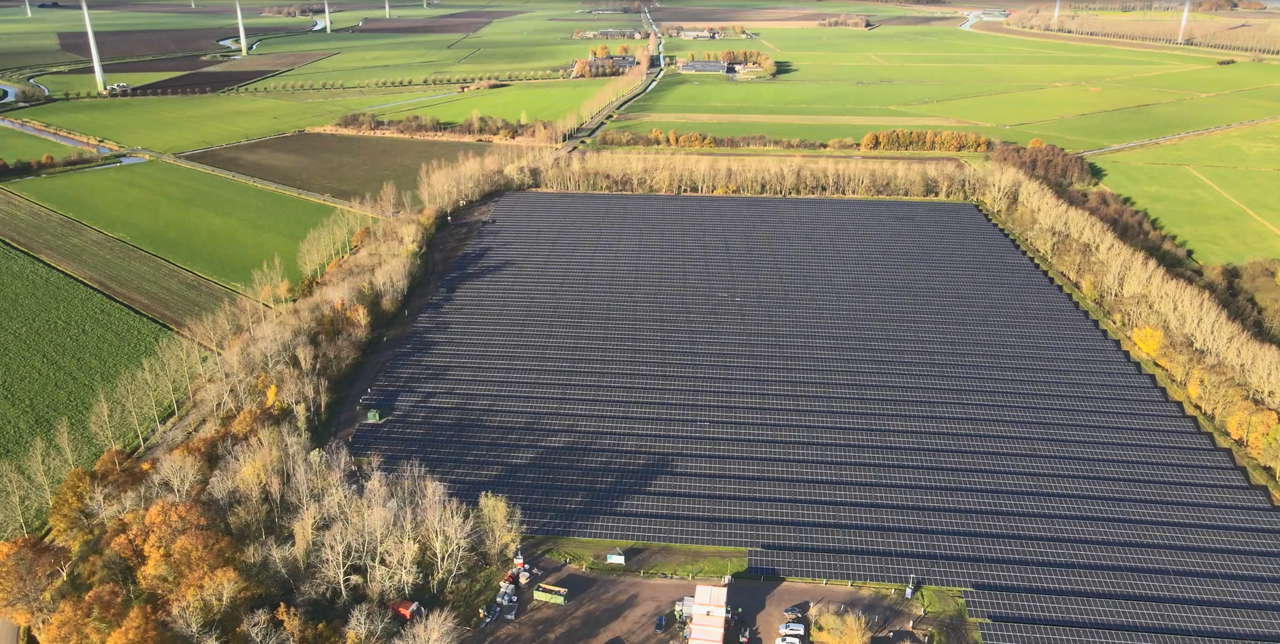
[{"x": 216, "y": 227}]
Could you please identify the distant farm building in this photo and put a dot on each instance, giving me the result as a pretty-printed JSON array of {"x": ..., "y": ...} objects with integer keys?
[
  {"x": 609, "y": 34},
  {"x": 698, "y": 35},
  {"x": 704, "y": 67},
  {"x": 609, "y": 65}
]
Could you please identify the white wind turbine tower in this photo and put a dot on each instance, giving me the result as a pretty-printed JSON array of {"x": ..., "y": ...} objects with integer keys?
[
  {"x": 244, "y": 45},
  {"x": 1182, "y": 31},
  {"x": 388, "y": 3},
  {"x": 1057, "y": 6},
  {"x": 328, "y": 24},
  {"x": 27, "y": 4},
  {"x": 93, "y": 49}
]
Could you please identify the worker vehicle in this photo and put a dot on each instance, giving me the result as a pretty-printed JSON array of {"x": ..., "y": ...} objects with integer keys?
[
  {"x": 787, "y": 640},
  {"x": 791, "y": 628}
]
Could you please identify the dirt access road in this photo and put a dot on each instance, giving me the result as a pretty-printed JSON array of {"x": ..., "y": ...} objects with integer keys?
[{"x": 606, "y": 609}]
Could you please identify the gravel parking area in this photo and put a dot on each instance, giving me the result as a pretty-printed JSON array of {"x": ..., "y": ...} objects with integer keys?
[{"x": 603, "y": 609}]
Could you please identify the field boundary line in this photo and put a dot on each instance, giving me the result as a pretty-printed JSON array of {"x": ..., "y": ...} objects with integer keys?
[
  {"x": 1171, "y": 137},
  {"x": 235, "y": 143},
  {"x": 1222, "y": 192},
  {"x": 263, "y": 183},
  {"x": 767, "y": 44}
]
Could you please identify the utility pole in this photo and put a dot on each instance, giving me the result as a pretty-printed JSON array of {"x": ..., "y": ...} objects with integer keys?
[
  {"x": 328, "y": 24},
  {"x": 244, "y": 44},
  {"x": 93, "y": 49},
  {"x": 1182, "y": 31}
]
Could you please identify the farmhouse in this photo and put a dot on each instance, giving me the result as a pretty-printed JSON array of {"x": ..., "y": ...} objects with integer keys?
[
  {"x": 698, "y": 35},
  {"x": 608, "y": 34},
  {"x": 704, "y": 67},
  {"x": 608, "y": 65}
]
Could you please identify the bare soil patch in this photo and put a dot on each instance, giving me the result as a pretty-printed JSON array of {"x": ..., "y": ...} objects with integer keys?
[
  {"x": 269, "y": 62},
  {"x": 481, "y": 15},
  {"x": 206, "y": 81},
  {"x": 120, "y": 44},
  {"x": 920, "y": 21},
  {"x": 419, "y": 26},
  {"x": 181, "y": 64},
  {"x": 341, "y": 166}
]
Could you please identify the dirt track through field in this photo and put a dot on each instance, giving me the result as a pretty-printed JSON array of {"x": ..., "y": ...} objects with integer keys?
[
  {"x": 1224, "y": 193},
  {"x": 797, "y": 119}
]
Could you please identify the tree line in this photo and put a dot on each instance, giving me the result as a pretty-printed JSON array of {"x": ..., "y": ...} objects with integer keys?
[
  {"x": 475, "y": 125},
  {"x": 221, "y": 521},
  {"x": 891, "y": 140},
  {"x": 846, "y": 20},
  {"x": 47, "y": 162},
  {"x": 1214, "y": 35}
]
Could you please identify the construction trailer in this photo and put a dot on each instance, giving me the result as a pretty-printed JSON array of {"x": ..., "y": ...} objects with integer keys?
[{"x": 550, "y": 594}]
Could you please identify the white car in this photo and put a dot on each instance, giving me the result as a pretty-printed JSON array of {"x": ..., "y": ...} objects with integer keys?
[
  {"x": 791, "y": 628},
  {"x": 787, "y": 640}
]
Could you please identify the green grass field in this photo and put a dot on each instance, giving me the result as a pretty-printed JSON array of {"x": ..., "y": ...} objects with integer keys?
[
  {"x": 1217, "y": 192},
  {"x": 216, "y": 227},
  {"x": 1077, "y": 96},
  {"x": 62, "y": 342},
  {"x": 182, "y": 123},
  {"x": 15, "y": 145}
]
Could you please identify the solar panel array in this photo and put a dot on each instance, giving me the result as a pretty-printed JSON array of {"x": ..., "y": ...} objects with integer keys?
[{"x": 852, "y": 390}]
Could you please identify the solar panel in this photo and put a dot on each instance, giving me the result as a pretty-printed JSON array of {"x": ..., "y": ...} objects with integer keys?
[{"x": 853, "y": 390}]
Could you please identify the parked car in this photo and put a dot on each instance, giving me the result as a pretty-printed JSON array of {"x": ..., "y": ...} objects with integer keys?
[
  {"x": 660, "y": 624},
  {"x": 791, "y": 628},
  {"x": 787, "y": 640},
  {"x": 795, "y": 612}
]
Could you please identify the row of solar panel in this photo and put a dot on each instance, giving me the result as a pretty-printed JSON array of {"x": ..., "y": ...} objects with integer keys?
[
  {"x": 968, "y": 550},
  {"x": 1094, "y": 530},
  {"x": 694, "y": 410},
  {"x": 855, "y": 497},
  {"x": 1009, "y": 633},
  {"x": 620, "y": 335},
  {"x": 531, "y": 344},
  {"x": 909, "y": 481},
  {"x": 1041, "y": 580},
  {"x": 800, "y": 396},
  {"x": 459, "y": 367},
  {"x": 461, "y": 437},
  {"x": 836, "y": 529},
  {"x": 717, "y": 304},
  {"x": 747, "y": 444},
  {"x": 763, "y": 437},
  {"x": 1174, "y": 619},
  {"x": 750, "y": 368},
  {"x": 479, "y": 320},
  {"x": 753, "y": 279},
  {"x": 754, "y": 367},
  {"x": 401, "y": 439}
]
